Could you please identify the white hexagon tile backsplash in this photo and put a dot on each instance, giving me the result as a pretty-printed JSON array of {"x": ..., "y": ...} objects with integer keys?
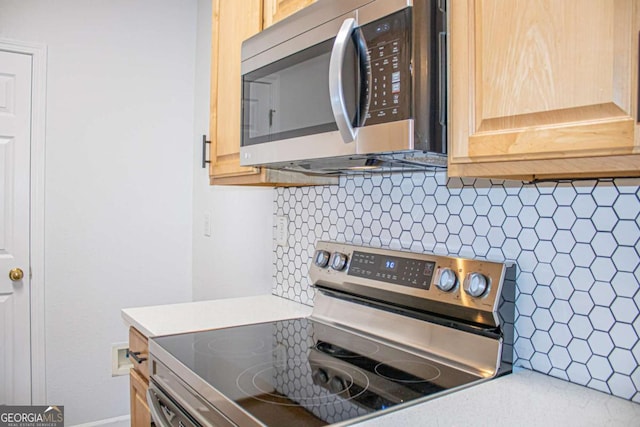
[{"x": 576, "y": 246}]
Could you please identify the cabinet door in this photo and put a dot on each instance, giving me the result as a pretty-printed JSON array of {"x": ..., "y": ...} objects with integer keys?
[
  {"x": 139, "y": 379},
  {"x": 543, "y": 88},
  {"x": 233, "y": 21},
  {"x": 140, "y": 415},
  {"x": 275, "y": 10}
]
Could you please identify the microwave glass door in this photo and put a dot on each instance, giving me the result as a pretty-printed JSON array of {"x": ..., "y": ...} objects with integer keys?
[{"x": 290, "y": 98}]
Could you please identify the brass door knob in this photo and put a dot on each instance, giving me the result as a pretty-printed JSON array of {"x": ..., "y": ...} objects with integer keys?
[{"x": 16, "y": 274}]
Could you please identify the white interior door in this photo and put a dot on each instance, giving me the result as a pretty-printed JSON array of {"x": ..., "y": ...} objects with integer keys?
[{"x": 15, "y": 142}]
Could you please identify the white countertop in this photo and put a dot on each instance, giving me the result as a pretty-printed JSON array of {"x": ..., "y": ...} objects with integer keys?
[
  {"x": 524, "y": 398},
  {"x": 202, "y": 315}
]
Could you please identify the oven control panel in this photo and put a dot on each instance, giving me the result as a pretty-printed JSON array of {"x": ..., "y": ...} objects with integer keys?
[
  {"x": 449, "y": 285},
  {"x": 415, "y": 273}
]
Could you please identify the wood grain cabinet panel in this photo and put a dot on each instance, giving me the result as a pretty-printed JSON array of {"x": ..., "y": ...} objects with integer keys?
[
  {"x": 139, "y": 344},
  {"x": 275, "y": 10},
  {"x": 140, "y": 415},
  {"x": 139, "y": 380},
  {"x": 543, "y": 88},
  {"x": 234, "y": 21}
]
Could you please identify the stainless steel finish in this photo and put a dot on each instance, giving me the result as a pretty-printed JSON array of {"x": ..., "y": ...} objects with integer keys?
[
  {"x": 386, "y": 353},
  {"x": 295, "y": 149},
  {"x": 321, "y": 258},
  {"x": 377, "y": 147},
  {"x": 446, "y": 279},
  {"x": 456, "y": 304},
  {"x": 475, "y": 347},
  {"x": 297, "y": 43},
  {"x": 164, "y": 412},
  {"x": 154, "y": 408},
  {"x": 338, "y": 261},
  {"x": 190, "y": 391},
  {"x": 476, "y": 284},
  {"x": 390, "y": 162},
  {"x": 310, "y": 26},
  {"x": 395, "y": 136},
  {"x": 442, "y": 344},
  {"x": 336, "y": 88}
]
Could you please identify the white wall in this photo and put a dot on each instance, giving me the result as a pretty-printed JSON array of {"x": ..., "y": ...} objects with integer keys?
[
  {"x": 119, "y": 150},
  {"x": 236, "y": 259}
]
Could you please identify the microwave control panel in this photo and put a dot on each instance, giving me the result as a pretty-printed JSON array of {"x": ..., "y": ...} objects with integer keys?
[{"x": 389, "y": 47}]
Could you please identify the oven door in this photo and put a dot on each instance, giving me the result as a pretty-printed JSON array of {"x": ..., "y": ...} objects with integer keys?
[
  {"x": 164, "y": 412},
  {"x": 174, "y": 404}
]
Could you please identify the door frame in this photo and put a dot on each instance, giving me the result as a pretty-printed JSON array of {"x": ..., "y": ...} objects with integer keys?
[{"x": 38, "y": 53}]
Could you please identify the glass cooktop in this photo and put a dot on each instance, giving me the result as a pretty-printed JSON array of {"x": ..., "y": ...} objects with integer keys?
[{"x": 304, "y": 371}]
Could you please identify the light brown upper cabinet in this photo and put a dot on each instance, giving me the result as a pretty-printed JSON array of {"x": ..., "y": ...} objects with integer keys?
[
  {"x": 543, "y": 89},
  {"x": 233, "y": 21},
  {"x": 275, "y": 10}
]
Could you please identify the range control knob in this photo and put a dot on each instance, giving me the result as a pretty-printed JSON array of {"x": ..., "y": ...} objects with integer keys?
[
  {"x": 447, "y": 280},
  {"x": 338, "y": 261},
  {"x": 337, "y": 385},
  {"x": 476, "y": 284},
  {"x": 321, "y": 258},
  {"x": 321, "y": 376}
]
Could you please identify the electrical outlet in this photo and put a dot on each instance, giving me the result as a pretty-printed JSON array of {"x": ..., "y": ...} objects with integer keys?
[
  {"x": 120, "y": 362},
  {"x": 282, "y": 231}
]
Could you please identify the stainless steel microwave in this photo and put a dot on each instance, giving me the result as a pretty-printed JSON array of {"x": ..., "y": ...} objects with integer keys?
[{"x": 347, "y": 86}]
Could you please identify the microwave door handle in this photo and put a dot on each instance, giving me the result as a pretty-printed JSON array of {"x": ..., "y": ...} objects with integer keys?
[{"x": 336, "y": 88}]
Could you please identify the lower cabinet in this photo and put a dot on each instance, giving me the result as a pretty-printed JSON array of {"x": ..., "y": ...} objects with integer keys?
[
  {"x": 139, "y": 378},
  {"x": 140, "y": 416}
]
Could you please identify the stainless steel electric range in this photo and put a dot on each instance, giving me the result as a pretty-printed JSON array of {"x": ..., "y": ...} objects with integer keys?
[{"x": 388, "y": 329}]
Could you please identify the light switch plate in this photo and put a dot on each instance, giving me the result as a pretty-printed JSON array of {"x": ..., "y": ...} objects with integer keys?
[{"x": 282, "y": 230}]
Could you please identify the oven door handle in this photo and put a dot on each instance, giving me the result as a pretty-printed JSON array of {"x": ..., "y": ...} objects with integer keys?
[
  {"x": 336, "y": 88},
  {"x": 161, "y": 415}
]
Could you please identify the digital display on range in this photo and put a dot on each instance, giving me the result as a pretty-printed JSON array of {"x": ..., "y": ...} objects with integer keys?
[
  {"x": 390, "y": 265},
  {"x": 400, "y": 271}
]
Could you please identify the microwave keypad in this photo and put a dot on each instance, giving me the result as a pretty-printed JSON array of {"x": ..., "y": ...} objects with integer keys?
[
  {"x": 385, "y": 81},
  {"x": 389, "y": 52}
]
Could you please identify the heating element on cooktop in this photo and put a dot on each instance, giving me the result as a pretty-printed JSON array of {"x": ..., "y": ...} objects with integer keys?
[{"x": 388, "y": 329}]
